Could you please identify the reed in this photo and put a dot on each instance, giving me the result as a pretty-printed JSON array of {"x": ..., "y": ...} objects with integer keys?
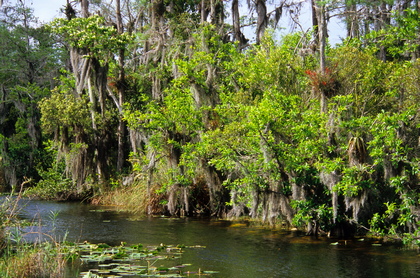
[
  {"x": 33, "y": 261},
  {"x": 18, "y": 258},
  {"x": 136, "y": 198}
]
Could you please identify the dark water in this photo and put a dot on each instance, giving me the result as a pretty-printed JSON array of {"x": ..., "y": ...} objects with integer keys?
[{"x": 234, "y": 249}]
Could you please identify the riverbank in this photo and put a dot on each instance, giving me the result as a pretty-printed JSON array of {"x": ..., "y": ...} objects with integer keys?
[
  {"x": 237, "y": 249},
  {"x": 34, "y": 249},
  {"x": 141, "y": 201},
  {"x": 20, "y": 258}
]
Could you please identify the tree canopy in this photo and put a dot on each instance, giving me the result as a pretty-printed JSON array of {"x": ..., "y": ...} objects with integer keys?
[{"x": 205, "y": 109}]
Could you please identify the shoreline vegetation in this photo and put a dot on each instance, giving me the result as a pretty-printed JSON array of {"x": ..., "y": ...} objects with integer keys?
[
  {"x": 126, "y": 200},
  {"x": 49, "y": 257},
  {"x": 19, "y": 258},
  {"x": 167, "y": 108}
]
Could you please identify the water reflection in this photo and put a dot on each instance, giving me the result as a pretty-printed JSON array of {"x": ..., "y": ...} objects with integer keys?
[{"x": 235, "y": 250}]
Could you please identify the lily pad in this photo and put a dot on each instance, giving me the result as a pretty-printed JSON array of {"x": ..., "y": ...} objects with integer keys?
[{"x": 124, "y": 261}]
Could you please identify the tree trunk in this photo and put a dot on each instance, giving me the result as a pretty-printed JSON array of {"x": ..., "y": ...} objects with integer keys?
[
  {"x": 121, "y": 92},
  {"x": 85, "y": 8},
  {"x": 237, "y": 33},
  {"x": 315, "y": 21},
  {"x": 262, "y": 20},
  {"x": 322, "y": 34},
  {"x": 204, "y": 11},
  {"x": 352, "y": 21},
  {"x": 216, "y": 12}
]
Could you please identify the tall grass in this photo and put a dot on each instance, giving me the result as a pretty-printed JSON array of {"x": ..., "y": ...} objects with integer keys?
[
  {"x": 18, "y": 258},
  {"x": 33, "y": 261},
  {"x": 135, "y": 198}
]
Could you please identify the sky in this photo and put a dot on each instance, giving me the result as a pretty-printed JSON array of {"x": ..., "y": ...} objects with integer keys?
[{"x": 46, "y": 10}]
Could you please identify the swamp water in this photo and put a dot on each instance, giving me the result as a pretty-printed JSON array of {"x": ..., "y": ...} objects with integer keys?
[{"x": 232, "y": 249}]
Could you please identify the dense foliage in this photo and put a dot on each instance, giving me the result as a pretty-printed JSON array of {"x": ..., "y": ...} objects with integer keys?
[{"x": 168, "y": 98}]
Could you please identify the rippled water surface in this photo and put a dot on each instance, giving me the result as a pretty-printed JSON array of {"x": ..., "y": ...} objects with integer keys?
[{"x": 234, "y": 249}]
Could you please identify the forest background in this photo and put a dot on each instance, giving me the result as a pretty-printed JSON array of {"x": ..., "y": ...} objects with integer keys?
[{"x": 198, "y": 107}]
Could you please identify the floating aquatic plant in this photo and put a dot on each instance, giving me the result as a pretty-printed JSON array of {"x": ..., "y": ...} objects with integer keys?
[{"x": 134, "y": 261}]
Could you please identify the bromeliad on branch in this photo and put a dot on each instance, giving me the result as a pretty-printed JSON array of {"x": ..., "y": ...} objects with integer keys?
[{"x": 325, "y": 82}]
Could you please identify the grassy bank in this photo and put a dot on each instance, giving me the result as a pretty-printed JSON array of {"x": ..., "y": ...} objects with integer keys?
[
  {"x": 22, "y": 257},
  {"x": 32, "y": 260},
  {"x": 19, "y": 258},
  {"x": 135, "y": 198}
]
